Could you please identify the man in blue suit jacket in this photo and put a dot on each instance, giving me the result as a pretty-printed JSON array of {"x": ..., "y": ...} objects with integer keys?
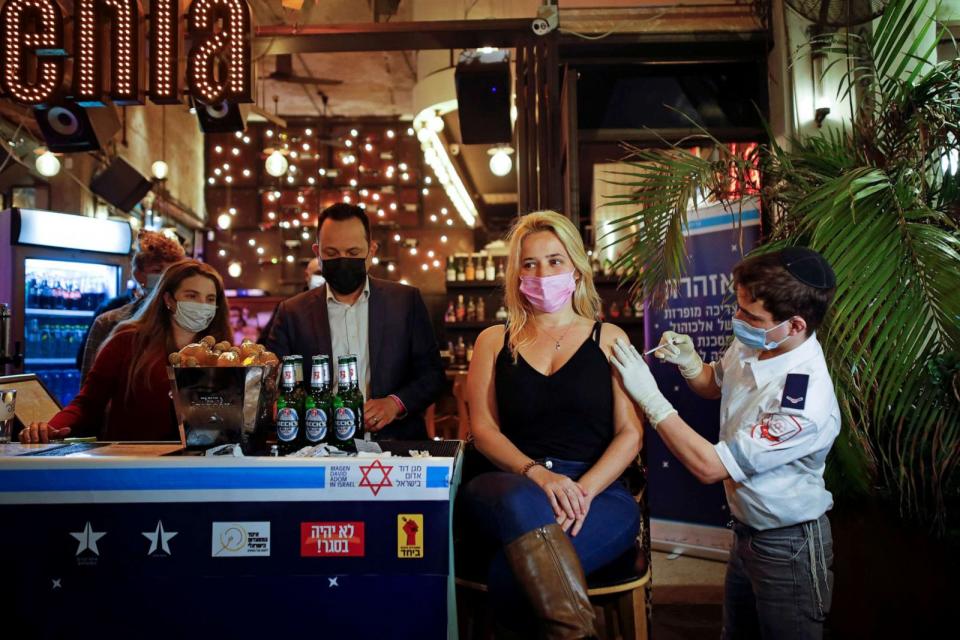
[{"x": 384, "y": 323}]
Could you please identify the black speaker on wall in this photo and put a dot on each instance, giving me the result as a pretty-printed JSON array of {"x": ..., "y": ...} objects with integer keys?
[
  {"x": 225, "y": 117},
  {"x": 70, "y": 128},
  {"x": 483, "y": 97},
  {"x": 121, "y": 185}
]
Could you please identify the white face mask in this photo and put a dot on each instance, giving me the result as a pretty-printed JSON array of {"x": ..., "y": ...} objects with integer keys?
[
  {"x": 153, "y": 279},
  {"x": 194, "y": 316},
  {"x": 316, "y": 280}
]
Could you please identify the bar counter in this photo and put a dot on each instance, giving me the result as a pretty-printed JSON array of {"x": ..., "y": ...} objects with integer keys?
[{"x": 227, "y": 547}]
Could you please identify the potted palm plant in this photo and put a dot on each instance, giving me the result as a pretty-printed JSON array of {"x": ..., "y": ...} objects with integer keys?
[
  {"x": 881, "y": 200},
  {"x": 879, "y": 197}
]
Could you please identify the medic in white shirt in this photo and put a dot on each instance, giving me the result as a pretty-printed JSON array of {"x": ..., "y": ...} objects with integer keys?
[{"x": 779, "y": 417}]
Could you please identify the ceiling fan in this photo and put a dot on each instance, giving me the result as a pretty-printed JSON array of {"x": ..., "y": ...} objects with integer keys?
[{"x": 283, "y": 72}]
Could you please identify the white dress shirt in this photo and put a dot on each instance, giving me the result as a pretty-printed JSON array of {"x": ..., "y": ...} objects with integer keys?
[
  {"x": 778, "y": 419},
  {"x": 349, "y": 334}
]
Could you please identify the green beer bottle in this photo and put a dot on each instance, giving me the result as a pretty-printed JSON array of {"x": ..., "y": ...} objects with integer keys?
[
  {"x": 289, "y": 411},
  {"x": 301, "y": 385},
  {"x": 318, "y": 403},
  {"x": 347, "y": 404}
]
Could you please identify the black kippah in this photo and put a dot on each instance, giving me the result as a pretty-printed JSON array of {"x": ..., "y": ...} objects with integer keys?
[{"x": 809, "y": 267}]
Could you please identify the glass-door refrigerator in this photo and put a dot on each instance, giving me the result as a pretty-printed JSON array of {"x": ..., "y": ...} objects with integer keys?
[{"x": 55, "y": 270}]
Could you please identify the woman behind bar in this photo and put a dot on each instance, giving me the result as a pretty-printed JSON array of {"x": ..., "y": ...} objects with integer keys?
[
  {"x": 546, "y": 408},
  {"x": 129, "y": 374}
]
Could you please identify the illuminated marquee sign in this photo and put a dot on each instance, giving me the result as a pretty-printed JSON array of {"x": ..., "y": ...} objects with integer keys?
[{"x": 33, "y": 53}]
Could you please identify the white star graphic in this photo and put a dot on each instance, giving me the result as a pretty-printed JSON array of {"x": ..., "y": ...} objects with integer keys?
[
  {"x": 333, "y": 582},
  {"x": 733, "y": 248},
  {"x": 56, "y": 583},
  {"x": 666, "y": 464},
  {"x": 159, "y": 536},
  {"x": 87, "y": 539}
]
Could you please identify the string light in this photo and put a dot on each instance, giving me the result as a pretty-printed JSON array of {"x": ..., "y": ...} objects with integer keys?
[
  {"x": 47, "y": 164},
  {"x": 224, "y": 221},
  {"x": 276, "y": 164},
  {"x": 424, "y": 267},
  {"x": 375, "y": 260},
  {"x": 222, "y": 253},
  {"x": 235, "y": 269},
  {"x": 260, "y": 251},
  {"x": 433, "y": 217},
  {"x": 218, "y": 149},
  {"x": 390, "y": 133},
  {"x": 354, "y": 133},
  {"x": 235, "y": 151},
  {"x": 289, "y": 258},
  {"x": 396, "y": 237},
  {"x": 443, "y": 239},
  {"x": 252, "y": 242}
]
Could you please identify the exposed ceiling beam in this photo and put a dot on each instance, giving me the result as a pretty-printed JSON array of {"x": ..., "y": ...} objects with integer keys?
[{"x": 391, "y": 36}]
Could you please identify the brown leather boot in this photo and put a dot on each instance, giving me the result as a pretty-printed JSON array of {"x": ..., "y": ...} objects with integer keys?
[{"x": 549, "y": 572}]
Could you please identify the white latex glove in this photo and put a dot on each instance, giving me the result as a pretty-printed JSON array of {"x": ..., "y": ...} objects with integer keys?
[
  {"x": 681, "y": 353},
  {"x": 639, "y": 382}
]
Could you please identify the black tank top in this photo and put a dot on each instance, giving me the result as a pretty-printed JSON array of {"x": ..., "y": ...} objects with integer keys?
[{"x": 567, "y": 415}]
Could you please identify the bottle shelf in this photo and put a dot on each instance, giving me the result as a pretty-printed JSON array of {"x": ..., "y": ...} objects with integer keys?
[
  {"x": 474, "y": 284},
  {"x": 471, "y": 325},
  {"x": 63, "y": 313}
]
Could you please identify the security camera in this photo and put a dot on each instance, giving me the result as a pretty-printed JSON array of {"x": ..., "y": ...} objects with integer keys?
[{"x": 548, "y": 18}]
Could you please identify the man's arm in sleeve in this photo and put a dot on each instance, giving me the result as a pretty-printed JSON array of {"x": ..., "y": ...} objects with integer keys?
[
  {"x": 279, "y": 339},
  {"x": 775, "y": 440},
  {"x": 427, "y": 375},
  {"x": 95, "y": 338}
]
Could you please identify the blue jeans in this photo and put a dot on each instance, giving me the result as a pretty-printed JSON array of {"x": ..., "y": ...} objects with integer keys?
[
  {"x": 504, "y": 506},
  {"x": 779, "y": 582}
]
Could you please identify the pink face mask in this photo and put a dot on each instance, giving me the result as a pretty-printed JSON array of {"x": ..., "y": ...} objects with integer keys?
[{"x": 549, "y": 293}]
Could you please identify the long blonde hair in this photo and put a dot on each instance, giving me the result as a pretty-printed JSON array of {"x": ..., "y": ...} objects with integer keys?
[{"x": 520, "y": 327}]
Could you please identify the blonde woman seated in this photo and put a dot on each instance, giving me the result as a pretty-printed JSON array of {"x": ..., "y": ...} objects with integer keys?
[{"x": 547, "y": 409}]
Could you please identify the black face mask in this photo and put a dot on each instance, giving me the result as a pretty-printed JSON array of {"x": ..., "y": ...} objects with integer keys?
[{"x": 344, "y": 275}]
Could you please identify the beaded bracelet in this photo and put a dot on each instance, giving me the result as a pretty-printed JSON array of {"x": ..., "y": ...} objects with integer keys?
[{"x": 533, "y": 463}]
